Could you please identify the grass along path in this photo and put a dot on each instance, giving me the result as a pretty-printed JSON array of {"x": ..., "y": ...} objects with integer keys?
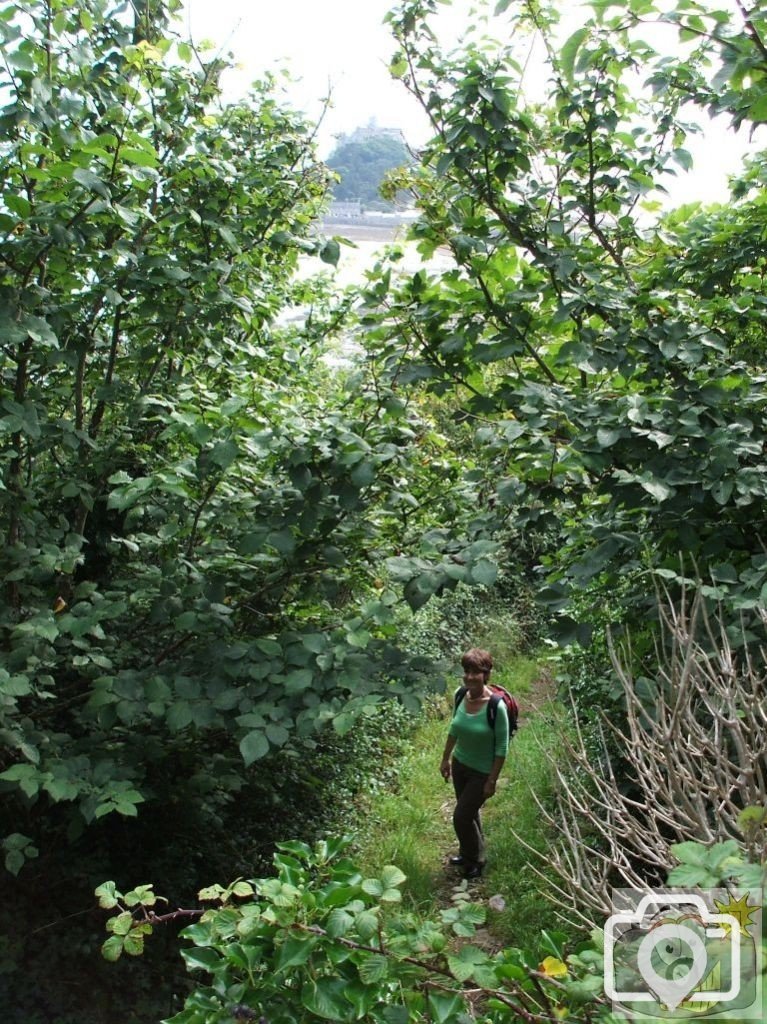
[{"x": 412, "y": 827}]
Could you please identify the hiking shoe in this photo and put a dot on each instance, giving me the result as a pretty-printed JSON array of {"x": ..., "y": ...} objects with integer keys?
[{"x": 472, "y": 871}]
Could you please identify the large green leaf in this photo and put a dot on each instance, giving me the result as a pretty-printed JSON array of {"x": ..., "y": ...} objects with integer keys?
[
  {"x": 570, "y": 49},
  {"x": 326, "y": 998},
  {"x": 254, "y": 746},
  {"x": 295, "y": 951}
]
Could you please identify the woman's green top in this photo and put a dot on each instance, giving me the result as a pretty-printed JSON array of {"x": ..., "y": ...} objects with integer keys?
[{"x": 477, "y": 744}]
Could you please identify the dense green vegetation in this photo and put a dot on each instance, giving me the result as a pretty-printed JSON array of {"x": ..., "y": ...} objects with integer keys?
[
  {"x": 604, "y": 352},
  {"x": 233, "y": 575},
  {"x": 195, "y": 513},
  {"x": 320, "y": 941}
]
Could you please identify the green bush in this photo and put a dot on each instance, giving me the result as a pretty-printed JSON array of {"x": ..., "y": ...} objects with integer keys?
[
  {"x": 503, "y": 618},
  {"x": 323, "y": 941},
  {"x": 49, "y": 970}
]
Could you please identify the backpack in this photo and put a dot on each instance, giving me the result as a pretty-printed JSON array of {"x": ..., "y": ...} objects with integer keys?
[{"x": 499, "y": 694}]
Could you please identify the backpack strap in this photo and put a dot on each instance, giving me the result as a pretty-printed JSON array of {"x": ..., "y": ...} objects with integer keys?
[
  {"x": 492, "y": 704},
  {"x": 492, "y": 709}
]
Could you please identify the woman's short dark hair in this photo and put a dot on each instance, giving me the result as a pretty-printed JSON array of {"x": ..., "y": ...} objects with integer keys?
[{"x": 477, "y": 659}]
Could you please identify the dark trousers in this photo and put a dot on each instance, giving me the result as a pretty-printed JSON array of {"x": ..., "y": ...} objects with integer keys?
[{"x": 469, "y": 788}]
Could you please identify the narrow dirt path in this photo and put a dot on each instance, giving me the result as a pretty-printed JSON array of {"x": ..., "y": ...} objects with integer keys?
[{"x": 542, "y": 690}]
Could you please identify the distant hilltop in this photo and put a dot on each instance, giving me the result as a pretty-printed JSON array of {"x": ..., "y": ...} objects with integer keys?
[{"x": 362, "y": 161}]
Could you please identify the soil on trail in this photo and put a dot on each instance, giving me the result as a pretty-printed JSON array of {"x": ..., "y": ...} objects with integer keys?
[{"x": 542, "y": 690}]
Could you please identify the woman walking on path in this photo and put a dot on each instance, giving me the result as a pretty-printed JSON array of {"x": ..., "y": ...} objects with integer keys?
[{"x": 478, "y": 750}]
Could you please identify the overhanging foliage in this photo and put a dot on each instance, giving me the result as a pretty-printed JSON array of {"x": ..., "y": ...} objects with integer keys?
[
  {"x": 611, "y": 356},
  {"x": 195, "y": 511}
]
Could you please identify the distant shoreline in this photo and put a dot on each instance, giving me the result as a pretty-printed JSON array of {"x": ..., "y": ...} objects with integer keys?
[{"x": 358, "y": 230}]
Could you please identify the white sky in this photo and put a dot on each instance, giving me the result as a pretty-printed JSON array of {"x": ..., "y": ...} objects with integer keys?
[
  {"x": 342, "y": 46},
  {"x": 336, "y": 45}
]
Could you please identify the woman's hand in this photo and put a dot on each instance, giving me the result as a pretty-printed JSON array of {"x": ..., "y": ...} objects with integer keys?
[
  {"x": 489, "y": 787},
  {"x": 444, "y": 768}
]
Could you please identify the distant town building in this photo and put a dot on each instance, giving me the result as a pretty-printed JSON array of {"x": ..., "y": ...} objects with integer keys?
[
  {"x": 344, "y": 210},
  {"x": 372, "y": 131}
]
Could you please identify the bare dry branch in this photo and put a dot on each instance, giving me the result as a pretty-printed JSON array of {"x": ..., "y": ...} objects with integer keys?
[{"x": 696, "y": 753}]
